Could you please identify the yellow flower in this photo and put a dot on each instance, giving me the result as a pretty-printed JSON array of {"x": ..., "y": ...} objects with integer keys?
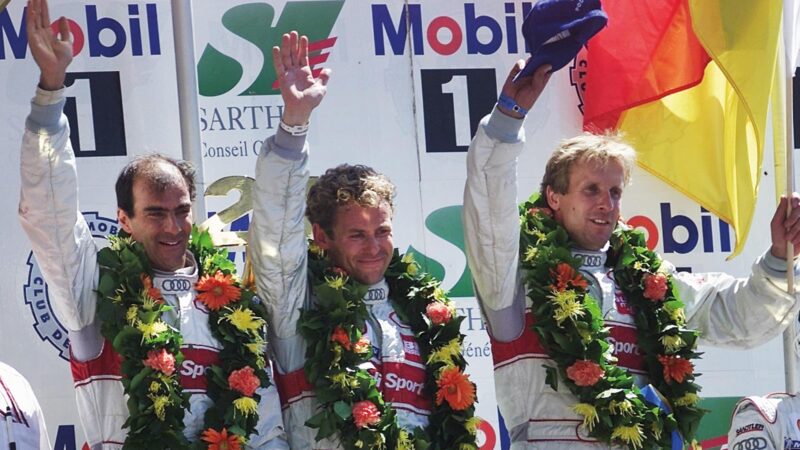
[
  {"x": 341, "y": 379},
  {"x": 539, "y": 236},
  {"x": 689, "y": 399},
  {"x": 160, "y": 403},
  {"x": 337, "y": 350},
  {"x": 630, "y": 435},
  {"x": 152, "y": 330},
  {"x": 696, "y": 445},
  {"x": 677, "y": 315},
  {"x": 446, "y": 353},
  {"x": 623, "y": 407},
  {"x": 412, "y": 269},
  {"x": 567, "y": 306},
  {"x": 408, "y": 258},
  {"x": 657, "y": 428},
  {"x": 261, "y": 362},
  {"x": 586, "y": 335},
  {"x": 155, "y": 386},
  {"x": 404, "y": 441},
  {"x": 589, "y": 413},
  {"x": 530, "y": 253},
  {"x": 359, "y": 444},
  {"x": 638, "y": 265},
  {"x": 244, "y": 319},
  {"x": 315, "y": 249},
  {"x": 671, "y": 343},
  {"x": 148, "y": 303},
  {"x": 257, "y": 347},
  {"x": 472, "y": 425},
  {"x": 440, "y": 294},
  {"x": 246, "y": 406},
  {"x": 467, "y": 447},
  {"x": 132, "y": 315},
  {"x": 336, "y": 282}
]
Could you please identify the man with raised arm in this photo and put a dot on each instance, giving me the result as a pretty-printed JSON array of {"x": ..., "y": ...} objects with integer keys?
[
  {"x": 141, "y": 315},
  {"x": 367, "y": 348},
  {"x": 582, "y": 316}
]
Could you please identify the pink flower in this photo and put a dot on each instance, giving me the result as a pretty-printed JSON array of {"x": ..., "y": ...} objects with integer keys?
[
  {"x": 365, "y": 413},
  {"x": 438, "y": 312},
  {"x": 244, "y": 381},
  {"x": 655, "y": 286},
  {"x": 546, "y": 211},
  {"x": 362, "y": 346},
  {"x": 160, "y": 360},
  {"x": 585, "y": 373}
]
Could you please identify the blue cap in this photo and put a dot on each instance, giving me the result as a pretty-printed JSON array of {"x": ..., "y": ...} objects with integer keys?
[{"x": 555, "y": 31}]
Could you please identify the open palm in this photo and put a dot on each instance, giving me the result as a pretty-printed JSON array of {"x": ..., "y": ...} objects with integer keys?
[
  {"x": 301, "y": 92},
  {"x": 52, "y": 54}
]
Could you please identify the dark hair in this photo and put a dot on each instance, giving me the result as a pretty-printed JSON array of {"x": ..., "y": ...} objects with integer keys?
[
  {"x": 148, "y": 168},
  {"x": 343, "y": 184}
]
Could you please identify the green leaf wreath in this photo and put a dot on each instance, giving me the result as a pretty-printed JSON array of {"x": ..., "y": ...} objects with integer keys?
[
  {"x": 131, "y": 311},
  {"x": 569, "y": 322},
  {"x": 351, "y": 404}
]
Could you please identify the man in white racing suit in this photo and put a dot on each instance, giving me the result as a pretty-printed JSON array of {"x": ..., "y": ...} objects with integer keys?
[
  {"x": 350, "y": 209},
  {"x": 585, "y": 198},
  {"x": 766, "y": 423},
  {"x": 23, "y": 424},
  {"x": 154, "y": 195}
]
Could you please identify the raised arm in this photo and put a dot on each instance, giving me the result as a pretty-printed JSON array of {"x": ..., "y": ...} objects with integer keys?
[
  {"x": 48, "y": 208},
  {"x": 277, "y": 232},
  {"x": 491, "y": 220}
]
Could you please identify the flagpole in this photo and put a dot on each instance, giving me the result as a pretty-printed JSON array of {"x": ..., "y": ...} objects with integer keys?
[
  {"x": 789, "y": 335},
  {"x": 188, "y": 108}
]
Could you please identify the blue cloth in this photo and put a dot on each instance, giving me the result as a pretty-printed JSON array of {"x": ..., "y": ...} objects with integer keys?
[{"x": 652, "y": 395}]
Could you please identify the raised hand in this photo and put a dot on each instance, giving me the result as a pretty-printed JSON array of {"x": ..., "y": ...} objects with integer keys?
[
  {"x": 52, "y": 54},
  {"x": 526, "y": 90},
  {"x": 301, "y": 92},
  {"x": 786, "y": 229}
]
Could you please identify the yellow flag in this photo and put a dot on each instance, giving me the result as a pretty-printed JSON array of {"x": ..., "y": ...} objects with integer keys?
[{"x": 708, "y": 141}]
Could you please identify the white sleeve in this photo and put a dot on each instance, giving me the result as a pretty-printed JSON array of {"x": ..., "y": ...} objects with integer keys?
[
  {"x": 750, "y": 429},
  {"x": 739, "y": 312},
  {"x": 49, "y": 214},
  {"x": 491, "y": 223},
  {"x": 277, "y": 244}
]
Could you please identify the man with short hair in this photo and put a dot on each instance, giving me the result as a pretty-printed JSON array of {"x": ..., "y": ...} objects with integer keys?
[
  {"x": 154, "y": 195},
  {"x": 357, "y": 366},
  {"x": 579, "y": 310}
]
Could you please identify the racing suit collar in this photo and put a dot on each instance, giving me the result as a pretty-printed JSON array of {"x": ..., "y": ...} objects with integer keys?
[
  {"x": 591, "y": 259},
  {"x": 377, "y": 293}
]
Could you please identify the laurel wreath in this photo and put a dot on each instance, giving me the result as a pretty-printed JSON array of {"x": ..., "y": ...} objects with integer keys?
[
  {"x": 613, "y": 408},
  {"x": 337, "y": 374},
  {"x": 132, "y": 323}
]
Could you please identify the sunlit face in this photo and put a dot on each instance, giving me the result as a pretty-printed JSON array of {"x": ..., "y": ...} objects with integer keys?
[
  {"x": 361, "y": 242},
  {"x": 589, "y": 210},
  {"x": 161, "y": 222}
]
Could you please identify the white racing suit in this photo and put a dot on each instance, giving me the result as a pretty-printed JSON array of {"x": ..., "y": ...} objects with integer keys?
[
  {"x": 67, "y": 253},
  {"x": 725, "y": 310},
  {"x": 279, "y": 253},
  {"x": 21, "y": 416},
  {"x": 766, "y": 423}
]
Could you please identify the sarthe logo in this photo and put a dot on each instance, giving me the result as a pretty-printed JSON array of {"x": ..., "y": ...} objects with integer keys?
[{"x": 218, "y": 73}]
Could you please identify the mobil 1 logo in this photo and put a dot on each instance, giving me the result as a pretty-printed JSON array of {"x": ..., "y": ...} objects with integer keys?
[
  {"x": 95, "y": 114},
  {"x": 453, "y": 103}
]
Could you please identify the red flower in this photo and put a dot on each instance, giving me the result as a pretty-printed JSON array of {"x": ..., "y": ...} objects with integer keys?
[
  {"x": 585, "y": 373},
  {"x": 341, "y": 337},
  {"x": 338, "y": 271},
  {"x": 217, "y": 291},
  {"x": 455, "y": 387},
  {"x": 675, "y": 368},
  {"x": 365, "y": 413},
  {"x": 244, "y": 381},
  {"x": 565, "y": 276},
  {"x": 362, "y": 346},
  {"x": 160, "y": 360},
  {"x": 655, "y": 286},
  {"x": 438, "y": 312},
  {"x": 546, "y": 211},
  {"x": 153, "y": 292},
  {"x": 220, "y": 440}
]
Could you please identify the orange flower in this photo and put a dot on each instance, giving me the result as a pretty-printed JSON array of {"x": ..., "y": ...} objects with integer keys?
[
  {"x": 221, "y": 440},
  {"x": 341, "y": 337},
  {"x": 565, "y": 276},
  {"x": 362, "y": 346},
  {"x": 546, "y": 211},
  {"x": 455, "y": 387},
  {"x": 438, "y": 312},
  {"x": 365, "y": 413},
  {"x": 217, "y": 291},
  {"x": 585, "y": 373},
  {"x": 675, "y": 368},
  {"x": 244, "y": 381},
  {"x": 160, "y": 360},
  {"x": 153, "y": 292},
  {"x": 655, "y": 286}
]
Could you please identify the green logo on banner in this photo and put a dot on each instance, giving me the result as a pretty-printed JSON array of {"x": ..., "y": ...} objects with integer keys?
[{"x": 218, "y": 73}]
